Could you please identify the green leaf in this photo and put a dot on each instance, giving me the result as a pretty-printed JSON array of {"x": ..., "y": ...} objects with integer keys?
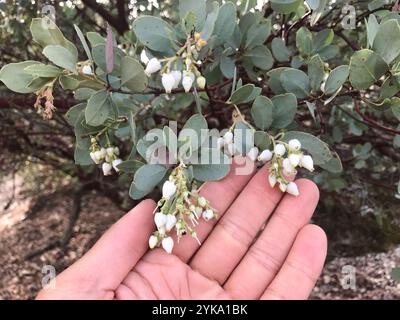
[
  {"x": 82, "y": 94},
  {"x": 209, "y": 24},
  {"x": 296, "y": 82},
  {"x": 334, "y": 165},
  {"x": 336, "y": 79},
  {"x": 317, "y": 13},
  {"x": 241, "y": 94},
  {"x": 225, "y": 23},
  {"x": 130, "y": 166},
  {"x": 389, "y": 88},
  {"x": 372, "y": 29},
  {"x": 74, "y": 114},
  {"x": 83, "y": 41},
  {"x": 387, "y": 40},
  {"x": 316, "y": 72},
  {"x": 261, "y": 57},
  {"x": 98, "y": 108},
  {"x": 194, "y": 132},
  {"x": 61, "y": 57},
  {"x": 43, "y": 70},
  {"x": 146, "y": 178},
  {"x": 69, "y": 82},
  {"x": 155, "y": 33},
  {"x": 318, "y": 149},
  {"x": 99, "y": 57},
  {"x": 15, "y": 77},
  {"x": 95, "y": 39},
  {"x": 322, "y": 39},
  {"x": 82, "y": 155},
  {"x": 274, "y": 81},
  {"x": 285, "y": 6},
  {"x": 284, "y": 111},
  {"x": 396, "y": 109},
  {"x": 279, "y": 50},
  {"x": 198, "y": 7},
  {"x": 262, "y": 112},
  {"x": 227, "y": 67},
  {"x": 304, "y": 41},
  {"x": 216, "y": 168},
  {"x": 257, "y": 34},
  {"x": 45, "y": 32},
  {"x": 262, "y": 140},
  {"x": 132, "y": 74},
  {"x": 366, "y": 67}
]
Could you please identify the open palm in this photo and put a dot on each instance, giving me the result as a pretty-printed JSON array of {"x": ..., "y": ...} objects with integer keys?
[{"x": 262, "y": 246}]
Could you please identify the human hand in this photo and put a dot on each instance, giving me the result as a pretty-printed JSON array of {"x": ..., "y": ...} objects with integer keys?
[{"x": 239, "y": 259}]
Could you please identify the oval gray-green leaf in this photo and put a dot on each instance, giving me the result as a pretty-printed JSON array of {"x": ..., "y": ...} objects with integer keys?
[
  {"x": 61, "y": 57},
  {"x": 155, "y": 33},
  {"x": 15, "y": 77},
  {"x": 262, "y": 112},
  {"x": 366, "y": 67},
  {"x": 98, "y": 108},
  {"x": 285, "y": 110},
  {"x": 336, "y": 79},
  {"x": 132, "y": 74},
  {"x": 148, "y": 176},
  {"x": 387, "y": 40},
  {"x": 296, "y": 82}
]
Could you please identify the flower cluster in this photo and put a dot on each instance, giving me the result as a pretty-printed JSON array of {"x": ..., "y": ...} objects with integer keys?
[
  {"x": 284, "y": 158},
  {"x": 107, "y": 157},
  {"x": 171, "y": 77},
  {"x": 227, "y": 144},
  {"x": 178, "y": 209},
  {"x": 46, "y": 109}
]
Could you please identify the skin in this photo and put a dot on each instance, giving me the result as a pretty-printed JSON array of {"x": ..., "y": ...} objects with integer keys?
[{"x": 261, "y": 247}]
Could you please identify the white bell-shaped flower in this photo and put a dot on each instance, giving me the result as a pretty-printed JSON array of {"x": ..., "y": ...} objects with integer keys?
[
  {"x": 107, "y": 167},
  {"x": 265, "y": 156},
  {"x": 94, "y": 158},
  {"x": 220, "y": 143},
  {"x": 208, "y": 214},
  {"x": 272, "y": 180},
  {"x": 103, "y": 152},
  {"x": 287, "y": 167},
  {"x": 160, "y": 219},
  {"x": 153, "y": 241},
  {"x": 177, "y": 77},
  {"x": 201, "y": 82},
  {"x": 143, "y": 57},
  {"x": 230, "y": 149},
  {"x": 228, "y": 137},
  {"x": 168, "y": 189},
  {"x": 153, "y": 66},
  {"x": 307, "y": 162},
  {"x": 87, "y": 70},
  {"x": 168, "y": 82},
  {"x": 253, "y": 153},
  {"x": 282, "y": 186},
  {"x": 168, "y": 244},
  {"x": 294, "y": 145},
  {"x": 170, "y": 223},
  {"x": 292, "y": 189},
  {"x": 110, "y": 151},
  {"x": 280, "y": 149},
  {"x": 115, "y": 164},
  {"x": 294, "y": 159},
  {"x": 187, "y": 81}
]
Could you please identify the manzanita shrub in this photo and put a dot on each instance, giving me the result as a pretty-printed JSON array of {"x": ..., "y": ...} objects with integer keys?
[{"x": 261, "y": 68}]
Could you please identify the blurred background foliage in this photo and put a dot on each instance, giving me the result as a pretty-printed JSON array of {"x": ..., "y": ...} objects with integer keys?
[{"x": 358, "y": 208}]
